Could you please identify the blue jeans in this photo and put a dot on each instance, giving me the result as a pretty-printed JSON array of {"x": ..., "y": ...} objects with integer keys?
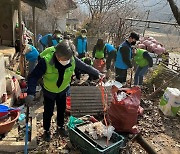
[{"x": 140, "y": 72}]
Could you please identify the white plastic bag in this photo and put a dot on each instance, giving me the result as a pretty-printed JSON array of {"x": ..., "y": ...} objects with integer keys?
[{"x": 170, "y": 102}]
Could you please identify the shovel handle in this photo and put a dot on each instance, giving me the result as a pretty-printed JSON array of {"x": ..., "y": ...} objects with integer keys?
[{"x": 26, "y": 137}]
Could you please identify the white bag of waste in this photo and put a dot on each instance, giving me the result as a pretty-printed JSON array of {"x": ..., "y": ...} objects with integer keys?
[{"x": 170, "y": 102}]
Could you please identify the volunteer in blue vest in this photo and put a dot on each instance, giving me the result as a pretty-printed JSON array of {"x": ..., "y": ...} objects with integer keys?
[
  {"x": 111, "y": 54},
  {"x": 49, "y": 40},
  {"x": 81, "y": 43},
  {"x": 143, "y": 61},
  {"x": 124, "y": 56},
  {"x": 56, "y": 68},
  {"x": 31, "y": 55}
]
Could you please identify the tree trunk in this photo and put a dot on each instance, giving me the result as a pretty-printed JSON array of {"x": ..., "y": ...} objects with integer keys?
[{"x": 175, "y": 10}]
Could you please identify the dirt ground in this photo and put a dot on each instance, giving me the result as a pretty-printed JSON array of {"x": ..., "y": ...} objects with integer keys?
[{"x": 160, "y": 131}]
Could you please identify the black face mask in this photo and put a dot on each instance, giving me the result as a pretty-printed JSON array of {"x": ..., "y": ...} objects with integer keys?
[{"x": 133, "y": 43}]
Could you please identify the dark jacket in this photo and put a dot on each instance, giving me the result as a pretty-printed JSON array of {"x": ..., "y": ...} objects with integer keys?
[
  {"x": 40, "y": 70},
  {"x": 148, "y": 58}
]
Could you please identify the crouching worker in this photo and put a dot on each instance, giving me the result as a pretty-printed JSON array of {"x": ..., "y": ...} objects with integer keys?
[
  {"x": 88, "y": 61},
  {"x": 31, "y": 55},
  {"x": 143, "y": 61},
  {"x": 111, "y": 55},
  {"x": 56, "y": 68}
]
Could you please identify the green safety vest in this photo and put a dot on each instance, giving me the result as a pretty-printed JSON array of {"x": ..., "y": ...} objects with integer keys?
[
  {"x": 46, "y": 51},
  {"x": 139, "y": 59},
  {"x": 51, "y": 76},
  {"x": 99, "y": 54}
]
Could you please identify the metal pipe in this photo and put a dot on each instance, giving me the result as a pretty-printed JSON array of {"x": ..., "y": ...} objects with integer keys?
[
  {"x": 145, "y": 145},
  {"x": 34, "y": 24}
]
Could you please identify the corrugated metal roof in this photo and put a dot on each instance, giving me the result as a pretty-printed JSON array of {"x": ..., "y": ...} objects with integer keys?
[
  {"x": 86, "y": 100},
  {"x": 41, "y": 4}
]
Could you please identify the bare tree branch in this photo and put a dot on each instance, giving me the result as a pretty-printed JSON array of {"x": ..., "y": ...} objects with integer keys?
[{"x": 175, "y": 10}]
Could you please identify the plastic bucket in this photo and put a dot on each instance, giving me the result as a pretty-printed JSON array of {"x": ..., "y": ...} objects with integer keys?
[{"x": 3, "y": 110}]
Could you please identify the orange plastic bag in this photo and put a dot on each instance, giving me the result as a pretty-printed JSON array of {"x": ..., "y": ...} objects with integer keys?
[
  {"x": 123, "y": 114},
  {"x": 99, "y": 64}
]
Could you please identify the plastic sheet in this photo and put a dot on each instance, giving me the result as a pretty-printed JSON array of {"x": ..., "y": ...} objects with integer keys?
[{"x": 73, "y": 121}]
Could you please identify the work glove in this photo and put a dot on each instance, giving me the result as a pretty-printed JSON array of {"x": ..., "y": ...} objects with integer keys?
[
  {"x": 29, "y": 100},
  {"x": 102, "y": 77}
]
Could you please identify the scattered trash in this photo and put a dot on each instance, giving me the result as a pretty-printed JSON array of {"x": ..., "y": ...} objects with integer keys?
[
  {"x": 120, "y": 96},
  {"x": 86, "y": 144},
  {"x": 111, "y": 83},
  {"x": 98, "y": 130}
]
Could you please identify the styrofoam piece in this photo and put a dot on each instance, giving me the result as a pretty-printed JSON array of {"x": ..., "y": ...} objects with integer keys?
[
  {"x": 10, "y": 74},
  {"x": 2, "y": 76},
  {"x": 113, "y": 83}
]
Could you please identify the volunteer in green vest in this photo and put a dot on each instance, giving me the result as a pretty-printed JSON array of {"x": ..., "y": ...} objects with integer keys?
[
  {"x": 143, "y": 61},
  {"x": 99, "y": 55},
  {"x": 56, "y": 68},
  {"x": 99, "y": 51}
]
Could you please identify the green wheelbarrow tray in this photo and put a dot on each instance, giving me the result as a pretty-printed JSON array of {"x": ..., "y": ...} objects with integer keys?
[{"x": 87, "y": 145}]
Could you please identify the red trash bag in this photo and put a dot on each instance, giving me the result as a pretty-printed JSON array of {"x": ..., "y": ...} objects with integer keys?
[
  {"x": 68, "y": 103},
  {"x": 99, "y": 64},
  {"x": 123, "y": 114}
]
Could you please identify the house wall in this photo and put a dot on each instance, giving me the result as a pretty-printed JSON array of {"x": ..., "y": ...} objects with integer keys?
[
  {"x": 8, "y": 18},
  {"x": 15, "y": 20},
  {"x": 61, "y": 24}
]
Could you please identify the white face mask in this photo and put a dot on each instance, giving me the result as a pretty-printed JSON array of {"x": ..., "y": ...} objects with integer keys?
[
  {"x": 83, "y": 36},
  {"x": 64, "y": 63},
  {"x": 58, "y": 35}
]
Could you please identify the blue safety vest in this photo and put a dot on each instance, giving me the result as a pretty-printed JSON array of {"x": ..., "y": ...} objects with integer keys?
[
  {"x": 44, "y": 39},
  {"x": 81, "y": 45},
  {"x": 119, "y": 63},
  {"x": 110, "y": 47},
  {"x": 32, "y": 55}
]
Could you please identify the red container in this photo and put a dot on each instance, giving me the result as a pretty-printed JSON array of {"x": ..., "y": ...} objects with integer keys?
[
  {"x": 2, "y": 114},
  {"x": 4, "y": 97},
  {"x": 68, "y": 103},
  {"x": 6, "y": 126},
  {"x": 99, "y": 64},
  {"x": 23, "y": 84}
]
